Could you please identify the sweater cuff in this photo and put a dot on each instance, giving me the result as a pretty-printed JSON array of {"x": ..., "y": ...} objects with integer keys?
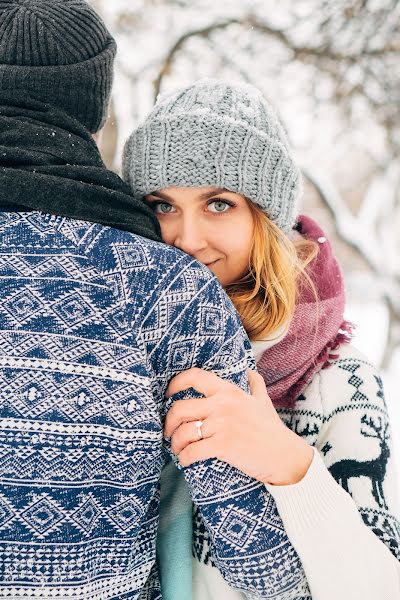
[{"x": 313, "y": 501}]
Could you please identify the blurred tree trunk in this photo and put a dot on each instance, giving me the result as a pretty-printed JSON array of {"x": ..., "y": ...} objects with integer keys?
[{"x": 109, "y": 140}]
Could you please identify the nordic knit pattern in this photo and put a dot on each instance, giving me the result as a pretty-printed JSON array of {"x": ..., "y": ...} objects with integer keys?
[
  {"x": 59, "y": 52},
  {"x": 215, "y": 133},
  {"x": 94, "y": 322}
]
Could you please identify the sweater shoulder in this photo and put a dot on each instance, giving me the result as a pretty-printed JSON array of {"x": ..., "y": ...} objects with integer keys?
[
  {"x": 112, "y": 248},
  {"x": 138, "y": 268},
  {"x": 163, "y": 290}
]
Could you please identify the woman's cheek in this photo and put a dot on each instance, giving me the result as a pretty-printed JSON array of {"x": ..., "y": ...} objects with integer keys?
[{"x": 166, "y": 232}]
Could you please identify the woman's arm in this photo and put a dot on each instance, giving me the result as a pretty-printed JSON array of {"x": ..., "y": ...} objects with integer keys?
[
  {"x": 342, "y": 517},
  {"x": 244, "y": 430},
  {"x": 342, "y": 556}
]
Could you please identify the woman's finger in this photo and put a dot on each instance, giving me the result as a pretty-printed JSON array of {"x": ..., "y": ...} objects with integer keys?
[
  {"x": 188, "y": 433},
  {"x": 199, "y": 451},
  {"x": 202, "y": 381},
  {"x": 191, "y": 409},
  {"x": 257, "y": 385}
]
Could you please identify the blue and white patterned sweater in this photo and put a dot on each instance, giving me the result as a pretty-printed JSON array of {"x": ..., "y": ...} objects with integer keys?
[{"x": 94, "y": 322}]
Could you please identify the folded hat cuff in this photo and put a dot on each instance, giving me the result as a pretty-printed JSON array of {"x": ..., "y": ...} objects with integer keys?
[
  {"x": 81, "y": 89},
  {"x": 203, "y": 150}
]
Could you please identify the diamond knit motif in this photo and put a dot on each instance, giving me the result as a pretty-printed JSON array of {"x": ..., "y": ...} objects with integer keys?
[
  {"x": 237, "y": 528},
  {"x": 42, "y": 515},
  {"x": 86, "y": 515}
]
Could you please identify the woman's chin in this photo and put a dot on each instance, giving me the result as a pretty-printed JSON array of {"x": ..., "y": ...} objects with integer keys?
[
  {"x": 214, "y": 268},
  {"x": 217, "y": 269}
]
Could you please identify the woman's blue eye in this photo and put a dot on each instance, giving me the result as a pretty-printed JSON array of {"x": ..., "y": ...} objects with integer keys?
[
  {"x": 220, "y": 206},
  {"x": 163, "y": 208}
]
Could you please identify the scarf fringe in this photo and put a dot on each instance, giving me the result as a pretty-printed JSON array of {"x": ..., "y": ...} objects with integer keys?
[{"x": 344, "y": 336}]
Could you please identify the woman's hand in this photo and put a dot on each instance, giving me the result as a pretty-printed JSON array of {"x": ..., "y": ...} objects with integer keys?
[{"x": 243, "y": 430}]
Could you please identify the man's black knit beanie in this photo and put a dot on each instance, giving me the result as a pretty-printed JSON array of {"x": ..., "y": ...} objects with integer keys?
[{"x": 59, "y": 52}]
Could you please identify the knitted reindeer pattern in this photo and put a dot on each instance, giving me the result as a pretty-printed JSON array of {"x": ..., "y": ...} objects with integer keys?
[{"x": 344, "y": 414}]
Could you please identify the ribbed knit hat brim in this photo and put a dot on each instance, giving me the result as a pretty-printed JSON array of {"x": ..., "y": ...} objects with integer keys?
[{"x": 59, "y": 52}]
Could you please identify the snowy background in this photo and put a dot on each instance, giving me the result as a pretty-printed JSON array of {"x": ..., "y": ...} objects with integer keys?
[{"x": 331, "y": 69}]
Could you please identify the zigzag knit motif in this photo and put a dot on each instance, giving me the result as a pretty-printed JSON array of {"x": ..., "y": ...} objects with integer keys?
[{"x": 94, "y": 323}]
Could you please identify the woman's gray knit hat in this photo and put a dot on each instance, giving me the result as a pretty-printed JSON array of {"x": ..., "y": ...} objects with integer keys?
[
  {"x": 59, "y": 52},
  {"x": 214, "y": 133}
]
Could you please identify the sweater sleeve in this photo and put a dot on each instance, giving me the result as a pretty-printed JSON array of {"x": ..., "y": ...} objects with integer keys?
[
  {"x": 341, "y": 517},
  {"x": 249, "y": 543}
]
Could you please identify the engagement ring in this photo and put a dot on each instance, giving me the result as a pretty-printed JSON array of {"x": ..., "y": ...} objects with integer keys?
[{"x": 199, "y": 425}]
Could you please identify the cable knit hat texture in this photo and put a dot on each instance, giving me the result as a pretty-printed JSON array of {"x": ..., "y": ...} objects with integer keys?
[
  {"x": 59, "y": 52},
  {"x": 216, "y": 133}
]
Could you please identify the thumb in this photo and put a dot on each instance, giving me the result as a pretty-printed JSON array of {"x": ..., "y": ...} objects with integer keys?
[{"x": 257, "y": 385}]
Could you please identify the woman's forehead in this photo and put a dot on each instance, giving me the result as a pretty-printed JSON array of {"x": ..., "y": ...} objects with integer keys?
[{"x": 198, "y": 193}]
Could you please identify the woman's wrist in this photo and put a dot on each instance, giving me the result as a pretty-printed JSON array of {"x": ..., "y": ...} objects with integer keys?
[{"x": 297, "y": 457}]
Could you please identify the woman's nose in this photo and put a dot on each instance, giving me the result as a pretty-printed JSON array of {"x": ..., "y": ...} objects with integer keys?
[{"x": 190, "y": 238}]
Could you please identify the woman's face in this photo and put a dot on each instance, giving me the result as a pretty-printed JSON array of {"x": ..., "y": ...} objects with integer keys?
[{"x": 211, "y": 224}]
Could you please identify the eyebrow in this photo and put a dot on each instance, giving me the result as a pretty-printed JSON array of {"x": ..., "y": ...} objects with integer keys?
[{"x": 203, "y": 196}]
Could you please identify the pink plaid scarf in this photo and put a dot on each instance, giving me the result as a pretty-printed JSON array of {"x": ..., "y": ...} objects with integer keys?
[{"x": 316, "y": 330}]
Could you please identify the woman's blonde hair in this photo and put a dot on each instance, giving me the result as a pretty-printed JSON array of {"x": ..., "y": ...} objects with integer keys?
[{"x": 265, "y": 297}]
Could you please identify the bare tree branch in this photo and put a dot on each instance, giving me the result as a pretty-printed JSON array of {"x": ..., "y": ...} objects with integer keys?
[
  {"x": 299, "y": 52},
  {"x": 345, "y": 222}
]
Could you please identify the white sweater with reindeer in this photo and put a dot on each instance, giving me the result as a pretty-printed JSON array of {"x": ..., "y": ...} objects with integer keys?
[{"x": 343, "y": 517}]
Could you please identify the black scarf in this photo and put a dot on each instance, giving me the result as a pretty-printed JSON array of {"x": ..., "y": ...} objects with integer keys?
[{"x": 50, "y": 163}]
